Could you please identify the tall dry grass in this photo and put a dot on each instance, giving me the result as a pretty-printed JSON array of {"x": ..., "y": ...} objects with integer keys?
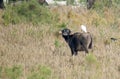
[{"x": 29, "y": 46}]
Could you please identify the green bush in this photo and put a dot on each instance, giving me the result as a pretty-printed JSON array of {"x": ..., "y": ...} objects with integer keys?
[{"x": 30, "y": 11}]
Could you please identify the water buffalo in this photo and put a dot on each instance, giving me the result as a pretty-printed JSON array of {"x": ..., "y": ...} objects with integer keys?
[{"x": 77, "y": 41}]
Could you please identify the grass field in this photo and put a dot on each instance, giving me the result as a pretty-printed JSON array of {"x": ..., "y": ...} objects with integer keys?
[{"x": 30, "y": 51}]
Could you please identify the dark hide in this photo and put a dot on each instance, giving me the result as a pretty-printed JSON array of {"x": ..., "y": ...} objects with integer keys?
[
  {"x": 90, "y": 3},
  {"x": 77, "y": 41},
  {"x": 1, "y": 4}
]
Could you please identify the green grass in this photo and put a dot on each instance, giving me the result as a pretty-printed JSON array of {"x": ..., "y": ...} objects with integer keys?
[
  {"x": 0, "y": 72},
  {"x": 14, "y": 72},
  {"x": 42, "y": 72},
  {"x": 91, "y": 59},
  {"x": 57, "y": 43}
]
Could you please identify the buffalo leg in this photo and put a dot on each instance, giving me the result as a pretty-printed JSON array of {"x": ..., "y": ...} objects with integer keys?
[
  {"x": 73, "y": 52},
  {"x": 85, "y": 48}
]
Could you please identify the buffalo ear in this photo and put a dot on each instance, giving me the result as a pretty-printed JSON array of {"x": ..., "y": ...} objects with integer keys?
[{"x": 60, "y": 32}]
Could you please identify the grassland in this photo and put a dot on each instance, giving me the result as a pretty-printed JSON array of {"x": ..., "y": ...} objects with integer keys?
[{"x": 37, "y": 51}]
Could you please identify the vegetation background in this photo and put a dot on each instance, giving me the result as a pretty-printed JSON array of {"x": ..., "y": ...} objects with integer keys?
[{"x": 32, "y": 48}]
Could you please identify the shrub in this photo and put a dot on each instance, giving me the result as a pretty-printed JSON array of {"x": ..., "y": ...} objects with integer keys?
[{"x": 30, "y": 11}]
